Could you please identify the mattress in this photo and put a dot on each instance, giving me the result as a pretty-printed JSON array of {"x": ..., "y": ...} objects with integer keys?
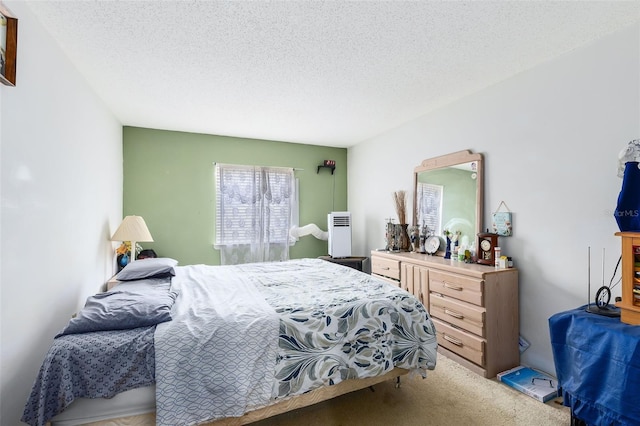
[{"x": 128, "y": 403}]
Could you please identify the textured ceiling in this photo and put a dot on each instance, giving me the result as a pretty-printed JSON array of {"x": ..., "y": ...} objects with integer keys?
[{"x": 319, "y": 72}]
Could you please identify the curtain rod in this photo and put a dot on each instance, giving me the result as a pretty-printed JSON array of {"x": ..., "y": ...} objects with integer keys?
[{"x": 253, "y": 165}]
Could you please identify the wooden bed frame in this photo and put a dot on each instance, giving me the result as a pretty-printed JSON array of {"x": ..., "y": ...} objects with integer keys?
[{"x": 290, "y": 404}]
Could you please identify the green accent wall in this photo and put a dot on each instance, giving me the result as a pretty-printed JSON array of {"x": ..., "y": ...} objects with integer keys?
[{"x": 169, "y": 180}]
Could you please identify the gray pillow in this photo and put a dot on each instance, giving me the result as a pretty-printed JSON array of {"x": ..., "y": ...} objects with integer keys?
[
  {"x": 149, "y": 267},
  {"x": 129, "y": 305}
]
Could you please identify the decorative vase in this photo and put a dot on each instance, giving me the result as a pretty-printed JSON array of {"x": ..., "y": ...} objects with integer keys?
[
  {"x": 390, "y": 236},
  {"x": 405, "y": 240},
  {"x": 447, "y": 253},
  {"x": 122, "y": 261},
  {"x": 627, "y": 211},
  {"x": 414, "y": 237},
  {"x": 422, "y": 249}
]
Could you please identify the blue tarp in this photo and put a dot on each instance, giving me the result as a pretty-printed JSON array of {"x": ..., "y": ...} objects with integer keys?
[{"x": 597, "y": 361}]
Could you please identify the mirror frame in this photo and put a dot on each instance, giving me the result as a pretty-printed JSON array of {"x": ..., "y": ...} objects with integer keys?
[{"x": 448, "y": 160}]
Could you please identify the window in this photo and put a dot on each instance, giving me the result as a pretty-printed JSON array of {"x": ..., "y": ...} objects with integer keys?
[
  {"x": 430, "y": 211},
  {"x": 254, "y": 206}
]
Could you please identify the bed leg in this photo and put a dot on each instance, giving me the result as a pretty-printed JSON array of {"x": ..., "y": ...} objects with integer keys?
[{"x": 398, "y": 382}]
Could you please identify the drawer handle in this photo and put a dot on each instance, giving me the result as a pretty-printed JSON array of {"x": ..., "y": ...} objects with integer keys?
[
  {"x": 452, "y": 340},
  {"x": 453, "y": 313},
  {"x": 384, "y": 268},
  {"x": 452, "y": 287}
]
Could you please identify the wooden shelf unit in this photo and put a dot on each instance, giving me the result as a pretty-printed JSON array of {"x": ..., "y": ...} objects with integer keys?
[{"x": 630, "y": 304}]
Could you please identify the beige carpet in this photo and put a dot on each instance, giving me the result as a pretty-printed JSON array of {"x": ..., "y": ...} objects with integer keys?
[{"x": 450, "y": 395}]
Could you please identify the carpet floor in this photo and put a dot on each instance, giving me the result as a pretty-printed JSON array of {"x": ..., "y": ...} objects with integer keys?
[{"x": 450, "y": 395}]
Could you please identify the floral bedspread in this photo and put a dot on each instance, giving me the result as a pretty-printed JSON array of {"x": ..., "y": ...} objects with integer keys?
[
  {"x": 247, "y": 335},
  {"x": 337, "y": 323}
]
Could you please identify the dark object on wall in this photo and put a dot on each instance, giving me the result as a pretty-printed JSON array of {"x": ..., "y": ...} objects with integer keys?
[
  {"x": 9, "y": 47},
  {"x": 327, "y": 164}
]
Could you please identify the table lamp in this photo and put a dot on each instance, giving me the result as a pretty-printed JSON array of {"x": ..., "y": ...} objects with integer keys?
[{"x": 133, "y": 229}]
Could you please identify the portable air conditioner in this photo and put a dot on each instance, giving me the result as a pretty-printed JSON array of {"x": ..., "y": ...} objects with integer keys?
[{"x": 339, "y": 224}]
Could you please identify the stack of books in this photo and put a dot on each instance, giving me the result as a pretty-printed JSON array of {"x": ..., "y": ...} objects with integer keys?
[{"x": 536, "y": 384}]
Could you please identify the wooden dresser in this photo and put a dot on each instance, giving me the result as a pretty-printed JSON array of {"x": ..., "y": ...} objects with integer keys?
[{"x": 474, "y": 307}]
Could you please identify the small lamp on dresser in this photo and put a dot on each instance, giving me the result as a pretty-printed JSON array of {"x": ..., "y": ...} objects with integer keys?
[{"x": 133, "y": 229}]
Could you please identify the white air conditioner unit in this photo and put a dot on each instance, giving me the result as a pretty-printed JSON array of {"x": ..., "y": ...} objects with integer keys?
[{"x": 339, "y": 224}]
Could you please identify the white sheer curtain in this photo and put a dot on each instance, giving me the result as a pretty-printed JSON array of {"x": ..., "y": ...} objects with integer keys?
[
  {"x": 430, "y": 206},
  {"x": 253, "y": 213}
]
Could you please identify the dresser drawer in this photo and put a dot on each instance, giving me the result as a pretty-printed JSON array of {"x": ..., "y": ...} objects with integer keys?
[
  {"x": 457, "y": 286},
  {"x": 387, "y": 279},
  {"x": 386, "y": 267},
  {"x": 464, "y": 344},
  {"x": 461, "y": 314}
]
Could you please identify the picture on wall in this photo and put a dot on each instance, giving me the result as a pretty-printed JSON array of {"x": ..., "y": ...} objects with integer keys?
[
  {"x": 8, "y": 46},
  {"x": 3, "y": 42}
]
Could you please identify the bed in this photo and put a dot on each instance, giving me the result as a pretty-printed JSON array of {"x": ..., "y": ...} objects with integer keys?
[{"x": 241, "y": 343}]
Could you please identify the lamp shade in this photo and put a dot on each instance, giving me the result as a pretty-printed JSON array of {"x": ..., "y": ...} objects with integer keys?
[{"x": 132, "y": 228}]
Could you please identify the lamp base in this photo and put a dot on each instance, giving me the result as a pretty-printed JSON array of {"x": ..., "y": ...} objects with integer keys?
[{"x": 133, "y": 251}]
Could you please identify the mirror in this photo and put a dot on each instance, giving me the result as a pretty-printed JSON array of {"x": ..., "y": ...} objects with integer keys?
[{"x": 448, "y": 195}]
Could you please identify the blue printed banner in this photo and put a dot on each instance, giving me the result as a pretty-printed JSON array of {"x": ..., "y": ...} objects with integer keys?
[{"x": 502, "y": 224}]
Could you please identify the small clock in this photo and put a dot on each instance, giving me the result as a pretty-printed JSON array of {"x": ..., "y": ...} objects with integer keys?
[
  {"x": 487, "y": 242},
  {"x": 432, "y": 244}
]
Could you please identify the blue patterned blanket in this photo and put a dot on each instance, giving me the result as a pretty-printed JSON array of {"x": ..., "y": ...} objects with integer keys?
[
  {"x": 90, "y": 365},
  {"x": 217, "y": 356}
]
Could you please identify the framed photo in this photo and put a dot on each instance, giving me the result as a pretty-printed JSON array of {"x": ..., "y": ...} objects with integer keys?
[{"x": 8, "y": 46}]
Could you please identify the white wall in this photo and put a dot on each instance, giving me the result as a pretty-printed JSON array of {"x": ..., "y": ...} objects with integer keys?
[
  {"x": 61, "y": 188},
  {"x": 551, "y": 138}
]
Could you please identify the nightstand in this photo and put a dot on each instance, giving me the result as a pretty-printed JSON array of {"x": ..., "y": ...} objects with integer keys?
[
  {"x": 354, "y": 262},
  {"x": 112, "y": 283},
  {"x": 597, "y": 366}
]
